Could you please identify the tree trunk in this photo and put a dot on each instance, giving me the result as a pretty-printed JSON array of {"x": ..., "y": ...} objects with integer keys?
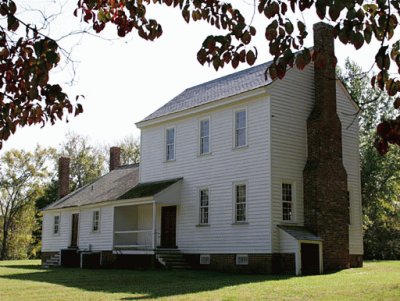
[{"x": 4, "y": 244}]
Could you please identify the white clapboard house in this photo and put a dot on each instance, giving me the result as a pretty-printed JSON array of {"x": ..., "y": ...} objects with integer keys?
[{"x": 223, "y": 183}]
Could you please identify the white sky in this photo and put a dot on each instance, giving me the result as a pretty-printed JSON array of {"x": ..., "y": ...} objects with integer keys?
[{"x": 127, "y": 79}]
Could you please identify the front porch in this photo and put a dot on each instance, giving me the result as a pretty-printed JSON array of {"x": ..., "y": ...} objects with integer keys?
[{"x": 147, "y": 218}]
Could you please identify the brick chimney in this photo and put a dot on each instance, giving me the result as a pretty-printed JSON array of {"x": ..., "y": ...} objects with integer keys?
[
  {"x": 63, "y": 176},
  {"x": 326, "y": 198},
  {"x": 115, "y": 157}
]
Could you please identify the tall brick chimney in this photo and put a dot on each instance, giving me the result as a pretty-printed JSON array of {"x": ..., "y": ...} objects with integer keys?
[
  {"x": 63, "y": 176},
  {"x": 326, "y": 198},
  {"x": 115, "y": 157}
]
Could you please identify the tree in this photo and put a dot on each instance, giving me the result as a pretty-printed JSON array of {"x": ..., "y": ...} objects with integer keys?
[
  {"x": 20, "y": 178},
  {"x": 130, "y": 150},
  {"x": 30, "y": 99},
  {"x": 380, "y": 175},
  {"x": 87, "y": 161},
  {"x": 27, "y": 57}
]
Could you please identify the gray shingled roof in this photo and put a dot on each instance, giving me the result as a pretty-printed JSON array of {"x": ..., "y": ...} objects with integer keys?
[
  {"x": 299, "y": 233},
  {"x": 148, "y": 189},
  {"x": 233, "y": 84},
  {"x": 106, "y": 188}
]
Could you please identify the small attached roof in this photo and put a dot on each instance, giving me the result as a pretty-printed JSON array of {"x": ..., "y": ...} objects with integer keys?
[
  {"x": 299, "y": 232},
  {"x": 233, "y": 84},
  {"x": 147, "y": 189},
  {"x": 106, "y": 188}
]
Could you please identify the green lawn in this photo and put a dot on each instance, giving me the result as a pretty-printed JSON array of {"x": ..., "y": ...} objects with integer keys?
[{"x": 26, "y": 280}]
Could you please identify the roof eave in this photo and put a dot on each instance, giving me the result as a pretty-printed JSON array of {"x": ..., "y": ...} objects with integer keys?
[{"x": 204, "y": 107}]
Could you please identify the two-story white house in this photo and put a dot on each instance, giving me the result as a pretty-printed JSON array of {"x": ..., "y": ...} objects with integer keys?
[{"x": 222, "y": 182}]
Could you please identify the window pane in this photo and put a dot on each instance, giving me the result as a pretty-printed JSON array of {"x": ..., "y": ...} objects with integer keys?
[
  {"x": 286, "y": 211},
  {"x": 204, "y": 136},
  {"x": 240, "y": 119},
  {"x": 240, "y": 207},
  {"x": 240, "y": 128},
  {"x": 204, "y": 145},
  {"x": 286, "y": 202},
  {"x": 204, "y": 206},
  {"x": 204, "y": 128},
  {"x": 240, "y": 137},
  {"x": 56, "y": 224},
  {"x": 170, "y": 136}
]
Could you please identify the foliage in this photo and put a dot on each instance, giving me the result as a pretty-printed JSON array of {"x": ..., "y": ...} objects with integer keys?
[
  {"x": 380, "y": 175},
  {"x": 20, "y": 178},
  {"x": 26, "y": 59},
  {"x": 25, "y": 280},
  {"x": 87, "y": 161},
  {"x": 27, "y": 56},
  {"x": 130, "y": 150}
]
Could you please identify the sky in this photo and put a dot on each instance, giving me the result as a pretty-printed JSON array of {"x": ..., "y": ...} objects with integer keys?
[{"x": 124, "y": 80}]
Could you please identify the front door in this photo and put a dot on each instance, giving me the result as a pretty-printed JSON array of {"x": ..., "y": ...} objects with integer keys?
[
  {"x": 309, "y": 259},
  {"x": 74, "y": 230},
  {"x": 168, "y": 227}
]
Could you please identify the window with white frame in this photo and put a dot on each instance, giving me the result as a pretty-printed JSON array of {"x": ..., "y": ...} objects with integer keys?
[
  {"x": 56, "y": 225},
  {"x": 204, "y": 136},
  {"x": 204, "y": 203},
  {"x": 170, "y": 144},
  {"x": 287, "y": 201},
  {"x": 96, "y": 221},
  {"x": 240, "y": 128},
  {"x": 240, "y": 202}
]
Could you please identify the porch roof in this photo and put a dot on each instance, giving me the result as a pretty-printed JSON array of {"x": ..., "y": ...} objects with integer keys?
[
  {"x": 299, "y": 232},
  {"x": 148, "y": 189},
  {"x": 105, "y": 188}
]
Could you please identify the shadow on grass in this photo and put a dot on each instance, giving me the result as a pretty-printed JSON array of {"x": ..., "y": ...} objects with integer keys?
[{"x": 145, "y": 284}]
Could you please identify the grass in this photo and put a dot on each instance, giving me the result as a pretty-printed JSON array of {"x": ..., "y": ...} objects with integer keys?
[{"x": 26, "y": 280}]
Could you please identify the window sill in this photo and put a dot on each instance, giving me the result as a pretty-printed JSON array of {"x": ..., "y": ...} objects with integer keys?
[
  {"x": 240, "y": 147},
  {"x": 202, "y": 225},
  {"x": 292, "y": 222},
  {"x": 240, "y": 223},
  {"x": 204, "y": 154},
  {"x": 169, "y": 161}
]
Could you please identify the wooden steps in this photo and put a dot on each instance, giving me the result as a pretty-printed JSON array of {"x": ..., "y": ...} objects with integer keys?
[
  {"x": 172, "y": 259},
  {"x": 53, "y": 261}
]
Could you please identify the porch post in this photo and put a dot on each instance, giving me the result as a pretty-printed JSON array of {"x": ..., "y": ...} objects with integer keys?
[{"x": 154, "y": 225}]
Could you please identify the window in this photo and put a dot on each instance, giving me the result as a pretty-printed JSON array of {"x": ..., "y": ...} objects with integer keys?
[
  {"x": 170, "y": 144},
  {"x": 204, "y": 136},
  {"x": 240, "y": 128},
  {"x": 240, "y": 203},
  {"x": 204, "y": 206},
  {"x": 96, "y": 221},
  {"x": 287, "y": 202},
  {"x": 56, "y": 228}
]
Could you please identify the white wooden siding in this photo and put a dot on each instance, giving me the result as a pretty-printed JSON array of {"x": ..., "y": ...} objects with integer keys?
[
  {"x": 54, "y": 242},
  {"x": 218, "y": 171},
  {"x": 101, "y": 240},
  {"x": 291, "y": 103},
  {"x": 351, "y": 161},
  {"x": 288, "y": 244}
]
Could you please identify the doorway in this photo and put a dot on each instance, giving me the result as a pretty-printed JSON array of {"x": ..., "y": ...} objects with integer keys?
[
  {"x": 74, "y": 230},
  {"x": 310, "y": 264},
  {"x": 168, "y": 227}
]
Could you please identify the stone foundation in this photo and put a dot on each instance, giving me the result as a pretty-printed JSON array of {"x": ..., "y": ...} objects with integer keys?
[
  {"x": 47, "y": 255},
  {"x": 356, "y": 261},
  {"x": 258, "y": 263}
]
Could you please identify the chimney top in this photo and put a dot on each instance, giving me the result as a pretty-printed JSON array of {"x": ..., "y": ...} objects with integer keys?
[
  {"x": 63, "y": 176},
  {"x": 115, "y": 157}
]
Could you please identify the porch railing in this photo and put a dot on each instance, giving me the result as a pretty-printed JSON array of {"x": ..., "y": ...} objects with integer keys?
[{"x": 133, "y": 239}]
